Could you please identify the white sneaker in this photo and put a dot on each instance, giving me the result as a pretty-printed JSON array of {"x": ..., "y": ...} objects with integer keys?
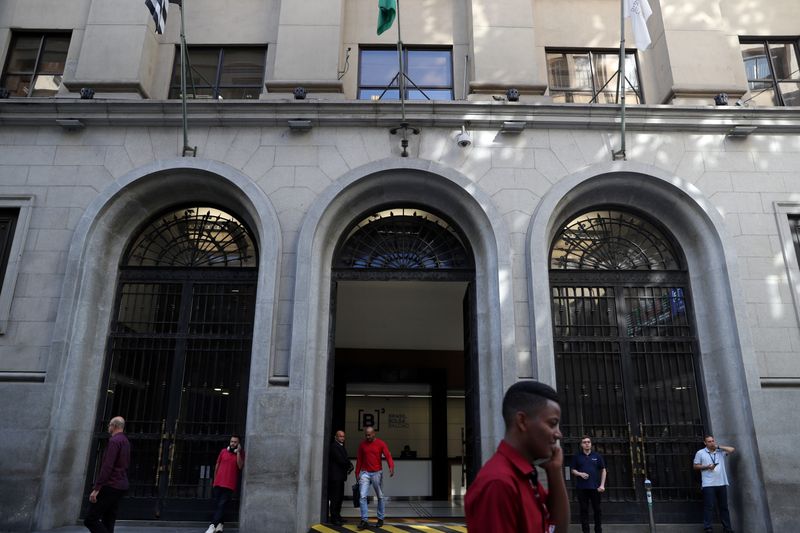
[
  {"x": 218, "y": 528},
  {"x": 210, "y": 528}
]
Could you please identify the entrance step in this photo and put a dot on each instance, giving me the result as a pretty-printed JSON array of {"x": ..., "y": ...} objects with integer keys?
[{"x": 448, "y": 527}]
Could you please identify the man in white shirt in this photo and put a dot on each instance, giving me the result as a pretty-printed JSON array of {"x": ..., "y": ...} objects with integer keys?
[{"x": 710, "y": 461}]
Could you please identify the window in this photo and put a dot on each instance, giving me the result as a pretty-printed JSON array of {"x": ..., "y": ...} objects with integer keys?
[
  {"x": 8, "y": 223},
  {"x": 429, "y": 72},
  {"x": 216, "y": 72},
  {"x": 15, "y": 214},
  {"x": 35, "y": 63},
  {"x": 773, "y": 75},
  {"x": 589, "y": 77}
]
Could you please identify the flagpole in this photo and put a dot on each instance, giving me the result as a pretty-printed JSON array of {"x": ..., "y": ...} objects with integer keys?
[
  {"x": 184, "y": 60},
  {"x": 621, "y": 83},
  {"x": 401, "y": 76}
]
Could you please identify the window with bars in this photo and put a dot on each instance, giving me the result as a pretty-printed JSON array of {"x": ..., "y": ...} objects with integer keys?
[
  {"x": 773, "y": 74},
  {"x": 8, "y": 224},
  {"x": 794, "y": 225},
  {"x": 590, "y": 77},
  {"x": 429, "y": 72},
  {"x": 35, "y": 64},
  {"x": 217, "y": 72}
]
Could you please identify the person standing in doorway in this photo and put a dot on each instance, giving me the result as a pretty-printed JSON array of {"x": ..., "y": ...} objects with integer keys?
[
  {"x": 339, "y": 467},
  {"x": 230, "y": 462},
  {"x": 589, "y": 470},
  {"x": 112, "y": 481},
  {"x": 369, "y": 472},
  {"x": 506, "y": 496},
  {"x": 710, "y": 461}
]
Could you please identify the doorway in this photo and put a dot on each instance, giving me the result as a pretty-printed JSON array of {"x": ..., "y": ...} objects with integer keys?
[
  {"x": 402, "y": 350},
  {"x": 178, "y": 359}
]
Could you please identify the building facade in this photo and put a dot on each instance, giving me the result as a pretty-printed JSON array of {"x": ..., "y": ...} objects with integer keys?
[{"x": 306, "y": 260}]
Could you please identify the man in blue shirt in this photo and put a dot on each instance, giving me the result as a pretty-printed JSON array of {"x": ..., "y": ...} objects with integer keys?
[
  {"x": 589, "y": 470},
  {"x": 710, "y": 461}
]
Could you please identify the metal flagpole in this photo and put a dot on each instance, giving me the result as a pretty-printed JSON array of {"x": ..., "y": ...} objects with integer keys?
[
  {"x": 620, "y": 154},
  {"x": 401, "y": 85},
  {"x": 184, "y": 61}
]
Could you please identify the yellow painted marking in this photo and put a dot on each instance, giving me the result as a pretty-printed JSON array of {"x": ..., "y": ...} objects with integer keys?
[
  {"x": 427, "y": 529},
  {"x": 353, "y": 528},
  {"x": 392, "y": 529},
  {"x": 323, "y": 529},
  {"x": 461, "y": 529}
]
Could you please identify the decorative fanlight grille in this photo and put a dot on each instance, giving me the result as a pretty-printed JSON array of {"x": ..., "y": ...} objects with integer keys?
[
  {"x": 193, "y": 237},
  {"x": 403, "y": 238},
  {"x": 612, "y": 240}
]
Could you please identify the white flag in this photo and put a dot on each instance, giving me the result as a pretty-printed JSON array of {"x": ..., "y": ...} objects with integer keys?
[
  {"x": 639, "y": 11},
  {"x": 158, "y": 9}
]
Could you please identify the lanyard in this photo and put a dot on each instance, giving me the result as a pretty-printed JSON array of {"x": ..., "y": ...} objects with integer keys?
[
  {"x": 713, "y": 457},
  {"x": 533, "y": 478}
]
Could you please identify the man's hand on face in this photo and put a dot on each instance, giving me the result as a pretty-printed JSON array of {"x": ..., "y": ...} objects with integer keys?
[{"x": 556, "y": 461}]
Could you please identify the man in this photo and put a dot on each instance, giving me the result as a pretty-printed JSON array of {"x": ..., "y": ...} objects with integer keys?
[
  {"x": 506, "y": 496},
  {"x": 339, "y": 467},
  {"x": 710, "y": 461},
  {"x": 230, "y": 462},
  {"x": 112, "y": 481},
  {"x": 589, "y": 470},
  {"x": 369, "y": 471}
]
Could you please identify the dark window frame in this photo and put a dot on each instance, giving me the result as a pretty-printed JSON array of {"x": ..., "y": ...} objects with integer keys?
[
  {"x": 596, "y": 91},
  {"x": 409, "y": 88},
  {"x": 775, "y": 86},
  {"x": 43, "y": 36},
  {"x": 9, "y": 218},
  {"x": 215, "y": 84}
]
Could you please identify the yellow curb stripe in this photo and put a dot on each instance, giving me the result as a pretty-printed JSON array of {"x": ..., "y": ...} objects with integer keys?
[
  {"x": 323, "y": 529},
  {"x": 392, "y": 529},
  {"x": 460, "y": 529},
  {"x": 428, "y": 529}
]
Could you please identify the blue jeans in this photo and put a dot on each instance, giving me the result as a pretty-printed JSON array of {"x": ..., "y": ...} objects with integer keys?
[
  {"x": 365, "y": 479},
  {"x": 716, "y": 495}
]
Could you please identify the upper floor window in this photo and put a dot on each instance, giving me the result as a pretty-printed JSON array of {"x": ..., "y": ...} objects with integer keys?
[
  {"x": 429, "y": 74},
  {"x": 589, "y": 77},
  {"x": 35, "y": 63},
  {"x": 773, "y": 75},
  {"x": 220, "y": 72},
  {"x": 8, "y": 224}
]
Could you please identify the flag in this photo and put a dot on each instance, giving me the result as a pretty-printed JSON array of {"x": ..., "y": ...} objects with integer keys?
[
  {"x": 387, "y": 9},
  {"x": 639, "y": 11},
  {"x": 158, "y": 8}
]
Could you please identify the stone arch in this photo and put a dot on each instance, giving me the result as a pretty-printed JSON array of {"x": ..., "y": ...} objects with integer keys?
[
  {"x": 79, "y": 341},
  {"x": 380, "y": 183},
  {"x": 728, "y": 361}
]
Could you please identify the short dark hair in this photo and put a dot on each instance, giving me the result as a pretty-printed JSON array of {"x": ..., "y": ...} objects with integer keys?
[
  {"x": 528, "y": 396},
  {"x": 237, "y": 436},
  {"x": 585, "y": 437}
]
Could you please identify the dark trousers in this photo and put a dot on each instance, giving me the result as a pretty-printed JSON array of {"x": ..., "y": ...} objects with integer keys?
[
  {"x": 221, "y": 497},
  {"x": 103, "y": 513},
  {"x": 584, "y": 497},
  {"x": 335, "y": 497},
  {"x": 716, "y": 496}
]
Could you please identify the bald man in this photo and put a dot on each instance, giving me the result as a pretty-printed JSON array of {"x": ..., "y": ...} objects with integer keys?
[{"x": 112, "y": 481}]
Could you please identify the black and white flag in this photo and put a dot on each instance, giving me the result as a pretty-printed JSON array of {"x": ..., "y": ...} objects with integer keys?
[{"x": 158, "y": 8}]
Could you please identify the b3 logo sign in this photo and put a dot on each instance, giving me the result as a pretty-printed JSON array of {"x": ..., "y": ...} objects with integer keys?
[{"x": 370, "y": 418}]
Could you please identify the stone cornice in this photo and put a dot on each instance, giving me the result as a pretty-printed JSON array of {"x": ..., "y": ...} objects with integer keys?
[{"x": 645, "y": 118}]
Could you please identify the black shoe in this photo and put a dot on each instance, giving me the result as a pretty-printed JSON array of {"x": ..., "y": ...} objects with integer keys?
[
  {"x": 338, "y": 522},
  {"x": 363, "y": 525},
  {"x": 380, "y": 523}
]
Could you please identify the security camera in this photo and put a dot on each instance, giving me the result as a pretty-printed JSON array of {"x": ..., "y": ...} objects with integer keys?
[{"x": 464, "y": 139}]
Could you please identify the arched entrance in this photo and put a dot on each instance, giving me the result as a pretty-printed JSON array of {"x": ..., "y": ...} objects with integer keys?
[
  {"x": 627, "y": 358},
  {"x": 178, "y": 357},
  {"x": 403, "y": 354}
]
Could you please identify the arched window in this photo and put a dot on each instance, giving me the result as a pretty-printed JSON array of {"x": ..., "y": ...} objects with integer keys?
[{"x": 403, "y": 238}]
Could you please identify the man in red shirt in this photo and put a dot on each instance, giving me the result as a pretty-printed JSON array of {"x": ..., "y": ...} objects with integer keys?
[
  {"x": 506, "y": 496},
  {"x": 369, "y": 471},
  {"x": 112, "y": 481},
  {"x": 226, "y": 479}
]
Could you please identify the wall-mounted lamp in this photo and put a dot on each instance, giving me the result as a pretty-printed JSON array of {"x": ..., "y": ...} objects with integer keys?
[
  {"x": 87, "y": 93},
  {"x": 512, "y": 94},
  {"x": 299, "y": 124},
  {"x": 741, "y": 132},
  {"x": 70, "y": 124},
  {"x": 299, "y": 93},
  {"x": 513, "y": 126},
  {"x": 721, "y": 99}
]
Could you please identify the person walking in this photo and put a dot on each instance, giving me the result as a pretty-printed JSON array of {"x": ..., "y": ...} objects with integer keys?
[
  {"x": 339, "y": 467},
  {"x": 589, "y": 470},
  {"x": 112, "y": 481},
  {"x": 506, "y": 495},
  {"x": 230, "y": 462},
  {"x": 710, "y": 461},
  {"x": 369, "y": 472}
]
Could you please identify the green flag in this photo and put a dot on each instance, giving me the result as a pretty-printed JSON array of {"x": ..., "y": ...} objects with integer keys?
[{"x": 387, "y": 9}]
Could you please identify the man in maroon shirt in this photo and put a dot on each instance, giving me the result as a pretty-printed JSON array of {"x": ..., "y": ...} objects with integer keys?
[
  {"x": 506, "y": 496},
  {"x": 112, "y": 481},
  {"x": 369, "y": 471}
]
